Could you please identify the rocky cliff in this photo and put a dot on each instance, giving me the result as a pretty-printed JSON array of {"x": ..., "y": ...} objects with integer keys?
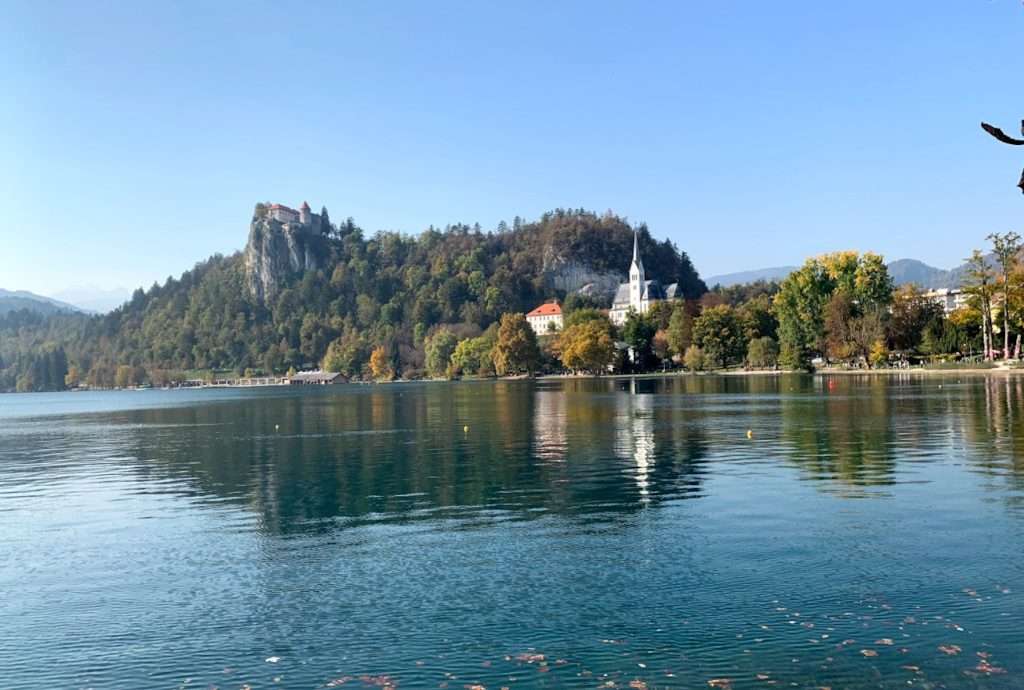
[
  {"x": 570, "y": 275},
  {"x": 276, "y": 251}
]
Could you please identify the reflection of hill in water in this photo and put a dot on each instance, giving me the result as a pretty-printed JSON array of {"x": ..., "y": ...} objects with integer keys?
[
  {"x": 401, "y": 452},
  {"x": 590, "y": 449}
]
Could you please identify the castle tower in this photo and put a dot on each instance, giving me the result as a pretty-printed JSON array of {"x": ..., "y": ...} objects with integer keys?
[
  {"x": 305, "y": 217},
  {"x": 636, "y": 277}
]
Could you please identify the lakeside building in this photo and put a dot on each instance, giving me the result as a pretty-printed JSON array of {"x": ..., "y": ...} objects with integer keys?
[
  {"x": 639, "y": 293},
  {"x": 316, "y": 378},
  {"x": 546, "y": 318}
]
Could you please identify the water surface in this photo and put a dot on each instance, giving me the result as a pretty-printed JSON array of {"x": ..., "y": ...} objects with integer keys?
[{"x": 867, "y": 532}]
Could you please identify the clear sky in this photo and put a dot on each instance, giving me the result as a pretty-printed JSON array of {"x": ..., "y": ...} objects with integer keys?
[{"x": 136, "y": 137}]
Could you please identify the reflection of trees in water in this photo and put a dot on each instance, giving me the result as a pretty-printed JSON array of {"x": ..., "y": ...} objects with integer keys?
[
  {"x": 574, "y": 447},
  {"x": 402, "y": 452},
  {"x": 993, "y": 440},
  {"x": 843, "y": 433}
]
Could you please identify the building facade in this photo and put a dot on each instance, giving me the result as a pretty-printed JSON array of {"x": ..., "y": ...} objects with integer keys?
[
  {"x": 949, "y": 299},
  {"x": 545, "y": 319},
  {"x": 639, "y": 293}
]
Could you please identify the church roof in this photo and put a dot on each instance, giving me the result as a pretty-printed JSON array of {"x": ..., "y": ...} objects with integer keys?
[{"x": 652, "y": 290}]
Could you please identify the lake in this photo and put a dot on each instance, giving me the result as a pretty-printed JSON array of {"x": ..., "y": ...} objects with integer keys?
[{"x": 792, "y": 531}]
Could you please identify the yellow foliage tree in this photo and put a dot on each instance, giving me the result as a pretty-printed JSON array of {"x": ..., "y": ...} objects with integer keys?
[{"x": 380, "y": 364}]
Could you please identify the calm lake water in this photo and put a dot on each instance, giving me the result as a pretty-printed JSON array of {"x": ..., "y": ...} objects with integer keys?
[{"x": 868, "y": 533}]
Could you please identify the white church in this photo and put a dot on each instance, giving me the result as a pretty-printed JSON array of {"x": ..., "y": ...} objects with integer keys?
[{"x": 639, "y": 293}]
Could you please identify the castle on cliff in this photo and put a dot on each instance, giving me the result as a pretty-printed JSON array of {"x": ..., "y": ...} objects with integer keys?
[{"x": 289, "y": 216}]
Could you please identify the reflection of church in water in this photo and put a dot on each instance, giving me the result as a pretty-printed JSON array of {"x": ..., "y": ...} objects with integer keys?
[
  {"x": 634, "y": 436},
  {"x": 631, "y": 437}
]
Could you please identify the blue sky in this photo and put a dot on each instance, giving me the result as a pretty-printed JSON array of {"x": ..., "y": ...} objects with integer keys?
[{"x": 136, "y": 137}]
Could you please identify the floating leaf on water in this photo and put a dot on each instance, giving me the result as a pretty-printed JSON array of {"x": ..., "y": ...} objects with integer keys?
[
  {"x": 950, "y": 649},
  {"x": 763, "y": 676},
  {"x": 475, "y": 686},
  {"x": 869, "y": 652},
  {"x": 884, "y": 641},
  {"x": 988, "y": 669},
  {"x": 724, "y": 683},
  {"x": 638, "y": 684},
  {"x": 912, "y": 668},
  {"x": 530, "y": 657}
]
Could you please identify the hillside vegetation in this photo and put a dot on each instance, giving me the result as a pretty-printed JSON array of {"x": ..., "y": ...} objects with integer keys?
[{"x": 386, "y": 292}]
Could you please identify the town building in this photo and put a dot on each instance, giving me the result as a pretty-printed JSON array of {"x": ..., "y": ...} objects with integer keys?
[
  {"x": 950, "y": 299},
  {"x": 547, "y": 318},
  {"x": 639, "y": 293}
]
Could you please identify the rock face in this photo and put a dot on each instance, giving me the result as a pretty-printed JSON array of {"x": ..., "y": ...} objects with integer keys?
[
  {"x": 276, "y": 251},
  {"x": 561, "y": 273}
]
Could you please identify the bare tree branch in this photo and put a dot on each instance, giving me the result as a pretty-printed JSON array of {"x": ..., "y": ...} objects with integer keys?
[{"x": 1003, "y": 136}]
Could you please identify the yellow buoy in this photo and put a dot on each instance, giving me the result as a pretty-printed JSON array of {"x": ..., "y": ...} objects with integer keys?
[
  {"x": 750, "y": 433},
  {"x": 465, "y": 429}
]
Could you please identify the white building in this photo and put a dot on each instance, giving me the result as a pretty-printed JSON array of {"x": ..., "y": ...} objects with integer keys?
[
  {"x": 949, "y": 299},
  {"x": 639, "y": 293},
  {"x": 547, "y": 318}
]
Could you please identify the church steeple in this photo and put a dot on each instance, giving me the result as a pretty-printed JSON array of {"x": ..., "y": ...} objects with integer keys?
[{"x": 637, "y": 284}]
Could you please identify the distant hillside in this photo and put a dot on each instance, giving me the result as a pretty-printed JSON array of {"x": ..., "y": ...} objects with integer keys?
[
  {"x": 743, "y": 277},
  {"x": 903, "y": 271},
  {"x": 22, "y": 299},
  {"x": 301, "y": 287}
]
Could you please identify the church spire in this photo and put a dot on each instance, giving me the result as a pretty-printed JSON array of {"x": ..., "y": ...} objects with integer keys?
[
  {"x": 637, "y": 282},
  {"x": 637, "y": 261}
]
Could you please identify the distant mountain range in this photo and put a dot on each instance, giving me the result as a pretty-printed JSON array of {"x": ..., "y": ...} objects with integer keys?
[
  {"x": 23, "y": 299},
  {"x": 94, "y": 299},
  {"x": 903, "y": 271},
  {"x": 85, "y": 300}
]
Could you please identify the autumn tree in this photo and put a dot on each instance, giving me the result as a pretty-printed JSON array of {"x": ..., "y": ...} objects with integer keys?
[
  {"x": 515, "y": 351},
  {"x": 380, "y": 364},
  {"x": 980, "y": 285},
  {"x": 912, "y": 315},
  {"x": 1007, "y": 248},
  {"x": 587, "y": 346}
]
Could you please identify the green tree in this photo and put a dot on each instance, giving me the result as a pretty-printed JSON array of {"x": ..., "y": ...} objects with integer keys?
[
  {"x": 515, "y": 351},
  {"x": 439, "y": 348},
  {"x": 718, "y": 334},
  {"x": 638, "y": 332},
  {"x": 1007, "y": 248},
  {"x": 680, "y": 330},
  {"x": 473, "y": 356},
  {"x": 800, "y": 304},
  {"x": 980, "y": 285},
  {"x": 763, "y": 353},
  {"x": 694, "y": 359}
]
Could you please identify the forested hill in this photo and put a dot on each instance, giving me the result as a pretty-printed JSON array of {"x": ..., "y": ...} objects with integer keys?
[{"x": 362, "y": 291}]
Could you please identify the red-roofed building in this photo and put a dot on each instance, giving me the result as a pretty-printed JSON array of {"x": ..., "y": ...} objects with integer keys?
[{"x": 546, "y": 318}]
